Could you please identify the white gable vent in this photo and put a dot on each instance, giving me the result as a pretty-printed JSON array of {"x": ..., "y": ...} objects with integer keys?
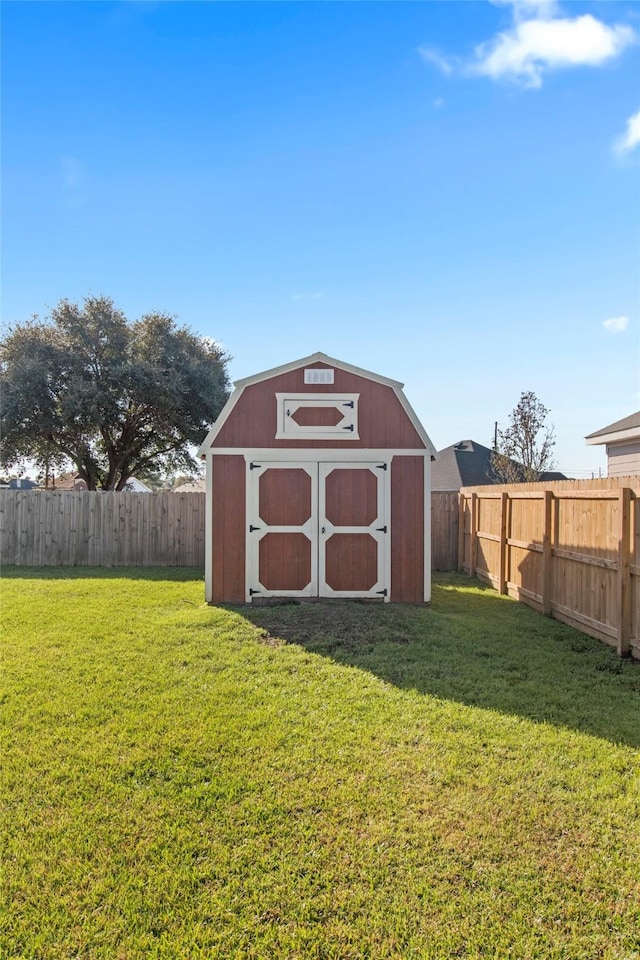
[{"x": 318, "y": 376}]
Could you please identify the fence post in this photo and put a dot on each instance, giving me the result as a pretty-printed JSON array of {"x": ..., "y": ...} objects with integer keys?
[
  {"x": 623, "y": 645},
  {"x": 474, "y": 535},
  {"x": 461, "y": 512},
  {"x": 504, "y": 533},
  {"x": 546, "y": 553}
]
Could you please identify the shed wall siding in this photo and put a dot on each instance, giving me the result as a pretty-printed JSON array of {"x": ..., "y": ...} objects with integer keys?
[
  {"x": 382, "y": 420},
  {"x": 623, "y": 459},
  {"x": 407, "y": 526},
  {"x": 229, "y": 529}
]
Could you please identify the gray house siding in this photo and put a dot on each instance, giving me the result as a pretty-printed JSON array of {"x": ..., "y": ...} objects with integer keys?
[{"x": 623, "y": 459}]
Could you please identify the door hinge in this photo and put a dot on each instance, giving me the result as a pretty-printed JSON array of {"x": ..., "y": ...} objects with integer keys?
[
  {"x": 382, "y": 466},
  {"x": 348, "y": 403},
  {"x": 381, "y": 529},
  {"x": 383, "y": 592},
  {"x": 252, "y": 528},
  {"x": 252, "y": 592},
  {"x": 254, "y": 466},
  {"x": 350, "y": 427}
]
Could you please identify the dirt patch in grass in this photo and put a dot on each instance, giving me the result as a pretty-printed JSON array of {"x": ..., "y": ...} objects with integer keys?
[{"x": 335, "y": 625}]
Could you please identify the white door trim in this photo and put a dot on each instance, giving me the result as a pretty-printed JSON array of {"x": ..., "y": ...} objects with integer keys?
[
  {"x": 318, "y": 470},
  {"x": 257, "y": 528},
  {"x": 379, "y": 529}
]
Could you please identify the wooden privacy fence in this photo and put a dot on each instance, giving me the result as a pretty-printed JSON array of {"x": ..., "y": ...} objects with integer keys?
[
  {"x": 51, "y": 528},
  {"x": 444, "y": 530},
  {"x": 571, "y": 549}
]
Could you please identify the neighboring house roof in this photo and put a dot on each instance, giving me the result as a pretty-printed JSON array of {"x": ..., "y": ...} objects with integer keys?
[
  {"x": 463, "y": 464},
  {"x": 73, "y": 481},
  {"x": 191, "y": 486},
  {"x": 133, "y": 485},
  {"x": 553, "y": 475},
  {"x": 468, "y": 464},
  {"x": 21, "y": 483},
  {"x": 69, "y": 481},
  {"x": 619, "y": 432}
]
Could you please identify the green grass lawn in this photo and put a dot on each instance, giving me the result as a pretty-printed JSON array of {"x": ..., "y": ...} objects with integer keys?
[{"x": 324, "y": 781}]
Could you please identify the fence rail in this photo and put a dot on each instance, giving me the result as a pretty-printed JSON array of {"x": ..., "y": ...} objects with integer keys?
[{"x": 570, "y": 549}]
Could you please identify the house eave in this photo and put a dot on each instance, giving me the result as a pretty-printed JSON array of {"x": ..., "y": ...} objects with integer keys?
[{"x": 617, "y": 436}]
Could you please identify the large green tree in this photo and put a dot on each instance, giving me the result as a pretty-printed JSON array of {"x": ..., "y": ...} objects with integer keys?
[{"x": 114, "y": 397}]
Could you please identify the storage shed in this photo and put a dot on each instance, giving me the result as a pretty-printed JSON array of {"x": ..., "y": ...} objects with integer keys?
[{"x": 318, "y": 485}]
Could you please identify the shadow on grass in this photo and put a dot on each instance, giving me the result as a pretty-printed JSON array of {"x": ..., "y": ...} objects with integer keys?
[
  {"x": 103, "y": 573},
  {"x": 474, "y": 647},
  {"x": 471, "y": 646}
]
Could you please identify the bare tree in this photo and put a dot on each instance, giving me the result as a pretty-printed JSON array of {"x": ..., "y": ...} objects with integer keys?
[{"x": 524, "y": 450}]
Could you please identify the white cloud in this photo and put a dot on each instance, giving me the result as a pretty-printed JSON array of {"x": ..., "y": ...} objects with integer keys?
[
  {"x": 444, "y": 64},
  {"x": 616, "y": 324},
  {"x": 631, "y": 137},
  {"x": 538, "y": 41},
  {"x": 534, "y": 46}
]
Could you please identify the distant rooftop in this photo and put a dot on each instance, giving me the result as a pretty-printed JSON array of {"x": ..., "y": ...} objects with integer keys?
[
  {"x": 468, "y": 464},
  {"x": 627, "y": 423}
]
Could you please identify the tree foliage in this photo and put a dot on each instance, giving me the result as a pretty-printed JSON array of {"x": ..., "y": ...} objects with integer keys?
[
  {"x": 114, "y": 397},
  {"x": 524, "y": 450}
]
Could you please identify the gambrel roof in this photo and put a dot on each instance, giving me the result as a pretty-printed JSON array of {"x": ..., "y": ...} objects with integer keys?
[{"x": 315, "y": 358}]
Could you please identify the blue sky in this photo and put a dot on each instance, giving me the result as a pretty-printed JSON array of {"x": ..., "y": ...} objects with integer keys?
[{"x": 444, "y": 193}]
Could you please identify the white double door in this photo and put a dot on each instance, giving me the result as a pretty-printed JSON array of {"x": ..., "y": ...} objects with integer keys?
[{"x": 317, "y": 529}]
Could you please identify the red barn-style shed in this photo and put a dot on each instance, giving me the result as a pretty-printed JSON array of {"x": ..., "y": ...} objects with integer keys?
[{"x": 318, "y": 485}]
